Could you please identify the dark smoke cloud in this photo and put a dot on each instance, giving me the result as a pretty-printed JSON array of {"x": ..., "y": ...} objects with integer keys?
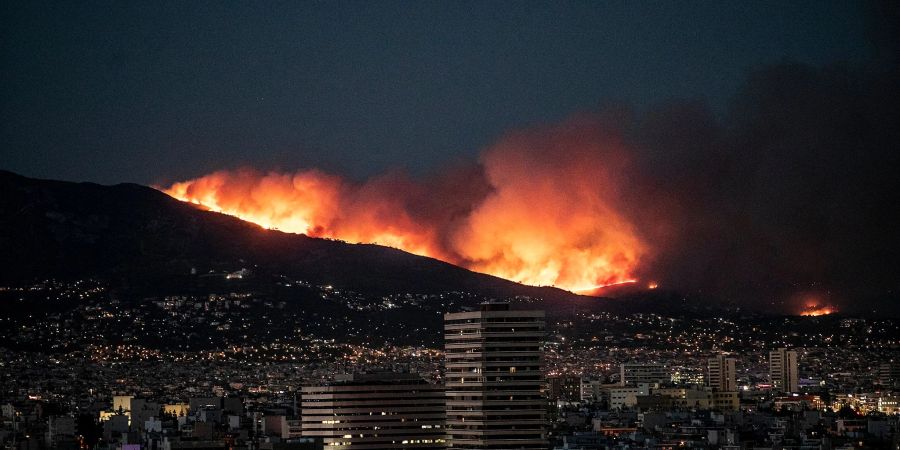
[{"x": 796, "y": 188}]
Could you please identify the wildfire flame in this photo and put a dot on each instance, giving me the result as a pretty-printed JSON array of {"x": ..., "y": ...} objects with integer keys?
[
  {"x": 815, "y": 303},
  {"x": 540, "y": 209},
  {"x": 818, "y": 310}
]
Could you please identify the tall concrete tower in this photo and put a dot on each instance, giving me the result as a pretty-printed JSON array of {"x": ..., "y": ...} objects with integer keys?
[
  {"x": 721, "y": 374},
  {"x": 493, "y": 378},
  {"x": 783, "y": 370}
]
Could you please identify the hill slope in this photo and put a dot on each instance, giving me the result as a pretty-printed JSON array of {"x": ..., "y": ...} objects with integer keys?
[{"x": 137, "y": 235}]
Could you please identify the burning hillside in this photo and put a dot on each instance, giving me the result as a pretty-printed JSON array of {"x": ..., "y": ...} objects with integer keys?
[{"x": 540, "y": 208}]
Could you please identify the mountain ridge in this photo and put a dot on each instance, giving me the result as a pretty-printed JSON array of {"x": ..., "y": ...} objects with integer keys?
[{"x": 131, "y": 233}]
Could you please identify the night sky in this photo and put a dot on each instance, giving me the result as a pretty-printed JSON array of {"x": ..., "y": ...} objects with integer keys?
[{"x": 151, "y": 92}]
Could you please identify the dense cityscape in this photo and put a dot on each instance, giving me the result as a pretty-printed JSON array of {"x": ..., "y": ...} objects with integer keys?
[
  {"x": 450, "y": 225},
  {"x": 85, "y": 368}
]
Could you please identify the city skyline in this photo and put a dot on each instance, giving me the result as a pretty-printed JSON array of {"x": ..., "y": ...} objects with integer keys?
[{"x": 412, "y": 398}]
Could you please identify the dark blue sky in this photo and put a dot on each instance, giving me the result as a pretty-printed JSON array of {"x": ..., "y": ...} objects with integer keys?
[{"x": 156, "y": 91}]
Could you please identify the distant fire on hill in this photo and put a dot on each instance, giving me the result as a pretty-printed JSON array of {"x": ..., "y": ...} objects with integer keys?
[{"x": 541, "y": 208}]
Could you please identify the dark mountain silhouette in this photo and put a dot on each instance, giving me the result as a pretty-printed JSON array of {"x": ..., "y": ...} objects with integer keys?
[{"x": 136, "y": 235}]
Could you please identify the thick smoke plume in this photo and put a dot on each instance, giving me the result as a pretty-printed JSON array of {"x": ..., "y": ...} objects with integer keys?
[{"x": 794, "y": 189}]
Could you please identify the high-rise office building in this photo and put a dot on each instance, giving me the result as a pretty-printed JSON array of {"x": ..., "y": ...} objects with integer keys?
[
  {"x": 375, "y": 411},
  {"x": 493, "y": 378},
  {"x": 721, "y": 374},
  {"x": 637, "y": 373},
  {"x": 783, "y": 370}
]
